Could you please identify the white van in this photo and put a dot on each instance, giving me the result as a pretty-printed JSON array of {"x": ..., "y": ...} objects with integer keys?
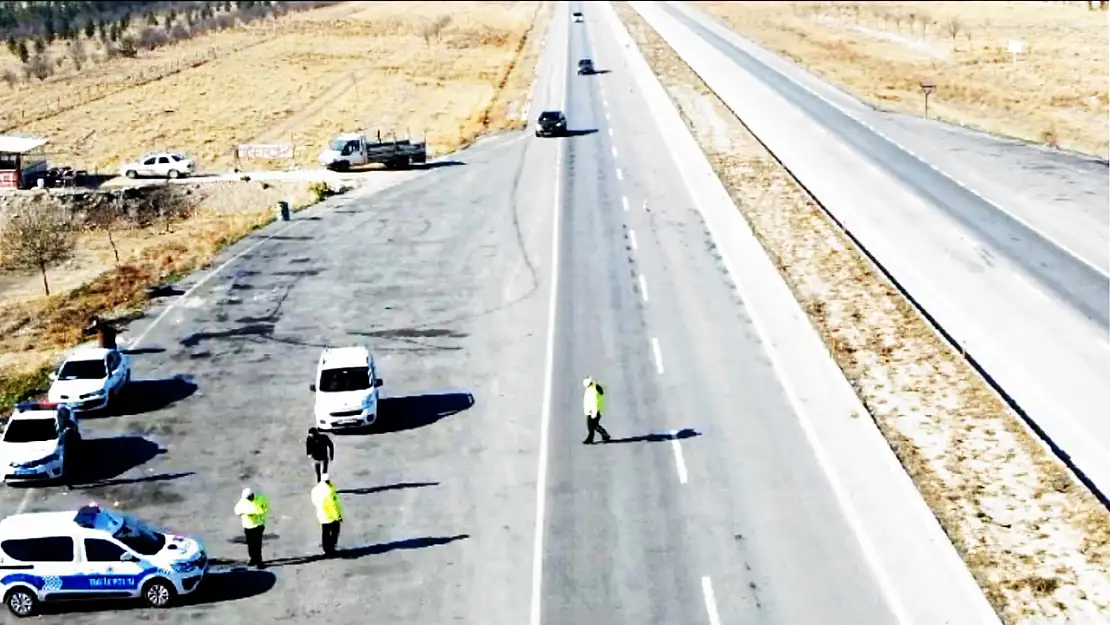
[
  {"x": 93, "y": 553},
  {"x": 346, "y": 388}
]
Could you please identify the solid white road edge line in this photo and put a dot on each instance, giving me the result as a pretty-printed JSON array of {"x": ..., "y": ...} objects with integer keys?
[
  {"x": 680, "y": 462},
  {"x": 710, "y": 600},
  {"x": 643, "y": 287},
  {"x": 549, "y": 369},
  {"x": 632, "y": 238},
  {"x": 658, "y": 355}
]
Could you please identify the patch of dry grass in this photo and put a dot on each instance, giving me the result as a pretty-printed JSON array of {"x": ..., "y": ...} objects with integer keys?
[
  {"x": 33, "y": 328},
  {"x": 1035, "y": 539},
  {"x": 1055, "y": 94},
  {"x": 349, "y": 67}
]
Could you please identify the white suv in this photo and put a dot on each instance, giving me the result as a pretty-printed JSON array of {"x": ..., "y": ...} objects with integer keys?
[
  {"x": 93, "y": 553},
  {"x": 346, "y": 388},
  {"x": 160, "y": 165}
]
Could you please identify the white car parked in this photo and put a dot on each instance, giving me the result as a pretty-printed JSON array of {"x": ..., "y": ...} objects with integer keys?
[
  {"x": 346, "y": 388},
  {"x": 160, "y": 165},
  {"x": 39, "y": 443},
  {"x": 90, "y": 378},
  {"x": 93, "y": 553}
]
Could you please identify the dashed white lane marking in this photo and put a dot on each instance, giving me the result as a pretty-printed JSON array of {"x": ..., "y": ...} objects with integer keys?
[
  {"x": 604, "y": 102},
  {"x": 624, "y": 202},
  {"x": 620, "y": 174},
  {"x": 658, "y": 355},
  {"x": 614, "y": 151},
  {"x": 632, "y": 238},
  {"x": 679, "y": 461},
  {"x": 607, "y": 116},
  {"x": 610, "y": 132},
  {"x": 710, "y": 600},
  {"x": 643, "y": 287}
]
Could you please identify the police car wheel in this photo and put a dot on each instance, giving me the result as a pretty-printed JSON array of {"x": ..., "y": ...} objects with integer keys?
[
  {"x": 21, "y": 602},
  {"x": 158, "y": 593}
]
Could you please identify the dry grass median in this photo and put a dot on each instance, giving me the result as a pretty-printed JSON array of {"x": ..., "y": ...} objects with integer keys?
[
  {"x": 454, "y": 70},
  {"x": 1035, "y": 539},
  {"x": 1056, "y": 92}
]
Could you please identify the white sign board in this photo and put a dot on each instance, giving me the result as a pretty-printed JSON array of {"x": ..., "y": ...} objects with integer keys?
[
  {"x": 1016, "y": 46},
  {"x": 266, "y": 151}
]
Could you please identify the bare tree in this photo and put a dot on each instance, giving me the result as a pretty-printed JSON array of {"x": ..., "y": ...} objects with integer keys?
[
  {"x": 166, "y": 204},
  {"x": 10, "y": 78},
  {"x": 108, "y": 219},
  {"x": 434, "y": 28},
  {"x": 77, "y": 53},
  {"x": 37, "y": 239},
  {"x": 38, "y": 66},
  {"x": 953, "y": 27}
]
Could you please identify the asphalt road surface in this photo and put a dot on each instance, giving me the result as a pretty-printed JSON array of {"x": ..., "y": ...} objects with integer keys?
[{"x": 707, "y": 508}]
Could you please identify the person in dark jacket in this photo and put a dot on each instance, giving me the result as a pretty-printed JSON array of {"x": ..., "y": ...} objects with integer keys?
[
  {"x": 105, "y": 333},
  {"x": 319, "y": 447}
]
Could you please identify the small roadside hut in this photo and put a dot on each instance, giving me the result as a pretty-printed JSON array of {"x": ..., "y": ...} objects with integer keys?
[{"x": 22, "y": 161}]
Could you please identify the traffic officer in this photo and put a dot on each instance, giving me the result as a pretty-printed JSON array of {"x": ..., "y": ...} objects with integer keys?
[
  {"x": 593, "y": 404},
  {"x": 328, "y": 512},
  {"x": 252, "y": 509}
]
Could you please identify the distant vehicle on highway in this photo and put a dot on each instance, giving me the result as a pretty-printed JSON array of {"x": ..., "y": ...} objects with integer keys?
[
  {"x": 160, "y": 165},
  {"x": 349, "y": 150},
  {"x": 585, "y": 66},
  {"x": 577, "y": 16},
  {"x": 93, "y": 553},
  {"x": 39, "y": 443},
  {"x": 90, "y": 378},
  {"x": 551, "y": 124},
  {"x": 346, "y": 388}
]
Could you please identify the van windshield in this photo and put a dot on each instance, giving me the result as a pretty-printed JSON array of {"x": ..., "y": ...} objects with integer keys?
[
  {"x": 31, "y": 431},
  {"x": 140, "y": 539},
  {"x": 345, "y": 379}
]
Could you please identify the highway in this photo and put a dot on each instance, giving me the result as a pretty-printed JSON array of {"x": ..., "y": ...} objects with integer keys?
[
  {"x": 489, "y": 286},
  {"x": 1026, "y": 292}
]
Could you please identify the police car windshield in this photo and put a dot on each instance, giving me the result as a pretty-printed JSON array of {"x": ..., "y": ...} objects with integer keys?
[
  {"x": 31, "y": 431},
  {"x": 344, "y": 379},
  {"x": 83, "y": 370},
  {"x": 139, "y": 539}
]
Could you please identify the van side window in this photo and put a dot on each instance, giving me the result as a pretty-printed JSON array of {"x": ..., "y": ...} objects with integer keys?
[
  {"x": 97, "y": 550},
  {"x": 52, "y": 549}
]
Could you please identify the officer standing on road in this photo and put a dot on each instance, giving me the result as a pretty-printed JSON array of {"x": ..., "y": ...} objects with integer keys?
[
  {"x": 252, "y": 509},
  {"x": 328, "y": 512},
  {"x": 319, "y": 447},
  {"x": 593, "y": 404}
]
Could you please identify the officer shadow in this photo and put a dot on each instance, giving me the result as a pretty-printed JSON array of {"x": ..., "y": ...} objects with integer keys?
[
  {"x": 657, "y": 437},
  {"x": 354, "y": 553}
]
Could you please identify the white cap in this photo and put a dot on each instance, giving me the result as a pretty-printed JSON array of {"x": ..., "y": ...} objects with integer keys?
[
  {"x": 324, "y": 477},
  {"x": 246, "y": 493},
  {"x": 587, "y": 380}
]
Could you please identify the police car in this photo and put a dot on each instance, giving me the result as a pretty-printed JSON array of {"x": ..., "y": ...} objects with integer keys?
[
  {"x": 93, "y": 553},
  {"x": 346, "y": 388},
  {"x": 40, "y": 443}
]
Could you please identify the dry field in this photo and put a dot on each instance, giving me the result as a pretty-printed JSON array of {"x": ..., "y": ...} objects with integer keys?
[
  {"x": 1056, "y": 93},
  {"x": 455, "y": 70},
  {"x": 1035, "y": 539}
]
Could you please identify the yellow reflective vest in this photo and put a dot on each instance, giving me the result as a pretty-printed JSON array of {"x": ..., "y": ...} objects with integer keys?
[
  {"x": 326, "y": 501},
  {"x": 253, "y": 511},
  {"x": 593, "y": 402}
]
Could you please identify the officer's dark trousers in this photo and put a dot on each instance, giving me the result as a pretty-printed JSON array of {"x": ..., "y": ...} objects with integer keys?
[
  {"x": 254, "y": 544},
  {"x": 329, "y": 536},
  {"x": 321, "y": 466},
  {"x": 594, "y": 425}
]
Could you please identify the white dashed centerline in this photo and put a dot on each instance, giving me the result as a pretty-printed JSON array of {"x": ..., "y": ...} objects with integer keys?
[
  {"x": 643, "y": 287},
  {"x": 679, "y": 461},
  {"x": 632, "y": 238},
  {"x": 658, "y": 355},
  {"x": 610, "y": 132},
  {"x": 710, "y": 600},
  {"x": 613, "y": 150},
  {"x": 620, "y": 175},
  {"x": 624, "y": 202}
]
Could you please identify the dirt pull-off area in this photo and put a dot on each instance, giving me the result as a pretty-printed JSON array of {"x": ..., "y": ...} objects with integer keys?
[
  {"x": 1035, "y": 539},
  {"x": 1053, "y": 91}
]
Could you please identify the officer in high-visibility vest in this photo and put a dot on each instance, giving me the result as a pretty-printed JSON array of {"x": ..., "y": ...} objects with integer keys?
[
  {"x": 328, "y": 512},
  {"x": 252, "y": 509},
  {"x": 593, "y": 404}
]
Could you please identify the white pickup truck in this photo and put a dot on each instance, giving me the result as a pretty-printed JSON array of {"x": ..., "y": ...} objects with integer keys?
[{"x": 353, "y": 149}]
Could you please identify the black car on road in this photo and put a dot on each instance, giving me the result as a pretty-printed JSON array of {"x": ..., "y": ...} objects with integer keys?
[
  {"x": 551, "y": 124},
  {"x": 585, "y": 66}
]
